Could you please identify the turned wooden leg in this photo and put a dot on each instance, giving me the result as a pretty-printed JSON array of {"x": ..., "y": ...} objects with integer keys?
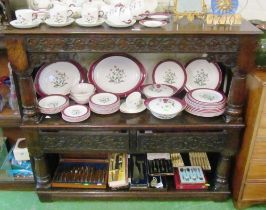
[
  {"x": 236, "y": 97},
  {"x": 17, "y": 56},
  {"x": 42, "y": 175}
]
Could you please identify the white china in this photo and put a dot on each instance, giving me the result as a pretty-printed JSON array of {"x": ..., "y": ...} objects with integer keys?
[
  {"x": 40, "y": 4},
  {"x": 58, "y": 77},
  {"x": 120, "y": 25},
  {"x": 82, "y": 22},
  {"x": 203, "y": 74},
  {"x": 17, "y": 24},
  {"x": 140, "y": 108},
  {"x": 133, "y": 100},
  {"x": 25, "y": 16},
  {"x": 137, "y": 7},
  {"x": 150, "y": 6},
  {"x": 119, "y": 14},
  {"x": 42, "y": 14},
  {"x": 53, "y": 104},
  {"x": 120, "y": 74},
  {"x": 165, "y": 107},
  {"x": 82, "y": 89},
  {"x": 153, "y": 23},
  {"x": 159, "y": 16},
  {"x": 76, "y": 113},
  {"x": 51, "y": 23},
  {"x": 91, "y": 13},
  {"x": 81, "y": 100},
  {"x": 205, "y": 102},
  {"x": 104, "y": 103},
  {"x": 158, "y": 90},
  {"x": 60, "y": 15},
  {"x": 170, "y": 72}
]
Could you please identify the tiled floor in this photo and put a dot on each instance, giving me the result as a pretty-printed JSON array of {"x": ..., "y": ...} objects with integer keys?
[{"x": 29, "y": 201}]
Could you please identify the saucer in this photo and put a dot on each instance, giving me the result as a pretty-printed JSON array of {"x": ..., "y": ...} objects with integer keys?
[
  {"x": 124, "y": 109},
  {"x": 49, "y": 22},
  {"x": 83, "y": 23},
  {"x": 153, "y": 23},
  {"x": 34, "y": 24},
  {"x": 122, "y": 25}
]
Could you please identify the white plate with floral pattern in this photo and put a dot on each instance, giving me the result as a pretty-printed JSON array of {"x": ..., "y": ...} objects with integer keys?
[
  {"x": 120, "y": 74},
  {"x": 170, "y": 72},
  {"x": 17, "y": 24},
  {"x": 158, "y": 90},
  {"x": 82, "y": 22},
  {"x": 58, "y": 77},
  {"x": 76, "y": 113},
  {"x": 203, "y": 74},
  {"x": 52, "y": 23},
  {"x": 153, "y": 23}
]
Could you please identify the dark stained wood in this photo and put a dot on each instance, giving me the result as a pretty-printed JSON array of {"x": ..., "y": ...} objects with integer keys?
[{"x": 220, "y": 134}]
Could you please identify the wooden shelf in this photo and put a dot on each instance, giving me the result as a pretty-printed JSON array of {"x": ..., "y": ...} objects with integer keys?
[
  {"x": 9, "y": 118},
  {"x": 144, "y": 120},
  {"x": 66, "y": 194},
  {"x": 26, "y": 185}
]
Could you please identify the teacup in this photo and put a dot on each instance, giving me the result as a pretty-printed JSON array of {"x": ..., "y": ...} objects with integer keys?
[
  {"x": 91, "y": 13},
  {"x": 119, "y": 14},
  {"x": 133, "y": 100},
  {"x": 25, "y": 16},
  {"x": 60, "y": 14}
]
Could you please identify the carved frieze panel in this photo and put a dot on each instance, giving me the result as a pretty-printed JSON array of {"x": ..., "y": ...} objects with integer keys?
[
  {"x": 133, "y": 43},
  {"x": 182, "y": 142},
  {"x": 68, "y": 143}
]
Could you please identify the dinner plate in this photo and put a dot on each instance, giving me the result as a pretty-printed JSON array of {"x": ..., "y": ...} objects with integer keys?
[
  {"x": 202, "y": 74},
  {"x": 119, "y": 73},
  {"x": 170, "y": 72},
  {"x": 153, "y": 23},
  {"x": 50, "y": 22},
  {"x": 58, "y": 77},
  {"x": 17, "y": 24}
]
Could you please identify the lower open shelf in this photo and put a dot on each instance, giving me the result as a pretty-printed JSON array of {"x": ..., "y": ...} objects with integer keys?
[{"x": 68, "y": 194}]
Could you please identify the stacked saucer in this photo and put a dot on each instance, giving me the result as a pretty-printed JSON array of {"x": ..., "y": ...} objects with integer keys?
[
  {"x": 76, "y": 113},
  {"x": 205, "y": 102},
  {"x": 104, "y": 103}
]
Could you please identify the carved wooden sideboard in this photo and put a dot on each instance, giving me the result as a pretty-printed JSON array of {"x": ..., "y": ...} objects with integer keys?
[{"x": 230, "y": 46}]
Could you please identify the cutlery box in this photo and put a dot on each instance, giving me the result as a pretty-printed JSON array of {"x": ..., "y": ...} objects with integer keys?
[
  {"x": 81, "y": 173},
  {"x": 160, "y": 164}
]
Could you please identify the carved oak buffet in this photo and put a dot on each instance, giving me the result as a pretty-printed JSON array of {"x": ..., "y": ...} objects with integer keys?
[{"x": 231, "y": 46}]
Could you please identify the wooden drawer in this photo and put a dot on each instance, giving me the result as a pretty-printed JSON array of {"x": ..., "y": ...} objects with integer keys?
[
  {"x": 181, "y": 141},
  {"x": 254, "y": 192},
  {"x": 257, "y": 171},
  {"x": 259, "y": 151},
  {"x": 66, "y": 141}
]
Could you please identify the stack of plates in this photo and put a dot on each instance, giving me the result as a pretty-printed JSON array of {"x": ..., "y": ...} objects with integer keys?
[
  {"x": 76, "y": 113},
  {"x": 104, "y": 103},
  {"x": 205, "y": 102}
]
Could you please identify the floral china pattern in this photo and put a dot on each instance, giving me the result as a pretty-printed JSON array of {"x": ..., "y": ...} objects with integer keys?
[
  {"x": 116, "y": 75},
  {"x": 207, "y": 97},
  {"x": 52, "y": 105},
  {"x": 201, "y": 78},
  {"x": 156, "y": 88},
  {"x": 165, "y": 104},
  {"x": 58, "y": 18},
  {"x": 104, "y": 100},
  {"x": 60, "y": 79},
  {"x": 169, "y": 77},
  {"x": 75, "y": 112}
]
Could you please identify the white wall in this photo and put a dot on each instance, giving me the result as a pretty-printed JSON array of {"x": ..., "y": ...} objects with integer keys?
[{"x": 249, "y": 9}]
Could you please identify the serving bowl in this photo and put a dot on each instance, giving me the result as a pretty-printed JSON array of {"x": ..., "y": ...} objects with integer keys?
[
  {"x": 53, "y": 104},
  {"x": 158, "y": 90}
]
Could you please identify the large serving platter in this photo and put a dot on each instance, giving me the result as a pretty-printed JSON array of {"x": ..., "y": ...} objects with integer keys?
[
  {"x": 58, "y": 77},
  {"x": 120, "y": 74},
  {"x": 203, "y": 74},
  {"x": 170, "y": 72}
]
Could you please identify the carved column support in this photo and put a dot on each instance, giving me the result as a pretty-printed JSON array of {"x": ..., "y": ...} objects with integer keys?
[
  {"x": 40, "y": 167},
  {"x": 236, "y": 97},
  {"x": 225, "y": 161},
  {"x": 17, "y": 56}
]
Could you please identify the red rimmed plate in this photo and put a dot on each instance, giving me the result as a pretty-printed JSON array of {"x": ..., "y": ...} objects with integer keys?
[
  {"x": 153, "y": 23},
  {"x": 203, "y": 74},
  {"x": 170, "y": 72},
  {"x": 58, "y": 77},
  {"x": 117, "y": 73}
]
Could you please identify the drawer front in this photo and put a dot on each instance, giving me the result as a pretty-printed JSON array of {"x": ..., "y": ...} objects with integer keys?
[
  {"x": 257, "y": 171},
  {"x": 181, "y": 142},
  {"x": 84, "y": 141},
  {"x": 259, "y": 151},
  {"x": 254, "y": 191}
]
